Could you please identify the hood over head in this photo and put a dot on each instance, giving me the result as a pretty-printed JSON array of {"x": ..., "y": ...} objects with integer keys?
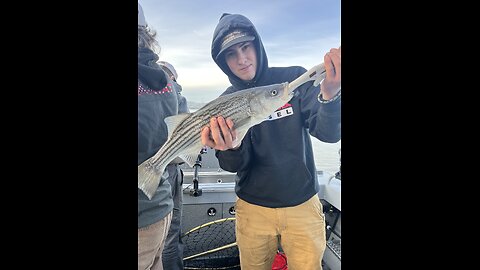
[
  {"x": 149, "y": 72},
  {"x": 169, "y": 69},
  {"x": 233, "y": 29}
]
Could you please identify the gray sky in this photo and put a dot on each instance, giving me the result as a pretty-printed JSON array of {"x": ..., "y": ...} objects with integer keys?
[{"x": 294, "y": 33}]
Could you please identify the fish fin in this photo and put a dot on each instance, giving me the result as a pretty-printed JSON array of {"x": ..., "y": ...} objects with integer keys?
[
  {"x": 236, "y": 143},
  {"x": 190, "y": 158},
  {"x": 321, "y": 74},
  {"x": 149, "y": 178},
  {"x": 173, "y": 121},
  {"x": 318, "y": 80},
  {"x": 241, "y": 132},
  {"x": 239, "y": 138},
  {"x": 177, "y": 160}
]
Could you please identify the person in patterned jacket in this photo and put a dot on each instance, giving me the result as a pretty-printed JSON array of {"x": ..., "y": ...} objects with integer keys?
[{"x": 157, "y": 99}]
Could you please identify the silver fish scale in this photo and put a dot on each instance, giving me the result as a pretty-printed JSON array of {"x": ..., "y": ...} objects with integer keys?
[{"x": 236, "y": 108}]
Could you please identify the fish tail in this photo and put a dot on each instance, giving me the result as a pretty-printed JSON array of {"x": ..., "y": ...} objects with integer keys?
[{"x": 149, "y": 178}]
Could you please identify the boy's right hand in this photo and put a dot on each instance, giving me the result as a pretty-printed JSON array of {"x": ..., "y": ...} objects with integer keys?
[{"x": 220, "y": 135}]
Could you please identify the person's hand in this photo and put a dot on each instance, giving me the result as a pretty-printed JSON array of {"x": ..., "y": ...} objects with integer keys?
[
  {"x": 220, "y": 135},
  {"x": 332, "y": 82}
]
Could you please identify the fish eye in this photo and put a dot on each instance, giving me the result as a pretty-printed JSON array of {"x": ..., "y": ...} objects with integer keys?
[{"x": 273, "y": 92}]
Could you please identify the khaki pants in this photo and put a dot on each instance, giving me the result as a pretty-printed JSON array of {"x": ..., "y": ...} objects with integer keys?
[
  {"x": 151, "y": 240},
  {"x": 301, "y": 229}
]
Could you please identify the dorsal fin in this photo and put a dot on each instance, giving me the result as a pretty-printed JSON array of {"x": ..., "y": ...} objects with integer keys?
[{"x": 173, "y": 121}]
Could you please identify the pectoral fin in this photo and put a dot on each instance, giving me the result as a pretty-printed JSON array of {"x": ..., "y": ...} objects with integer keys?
[{"x": 240, "y": 134}]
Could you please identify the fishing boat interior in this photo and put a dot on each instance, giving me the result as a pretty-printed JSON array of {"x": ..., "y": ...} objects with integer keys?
[{"x": 208, "y": 219}]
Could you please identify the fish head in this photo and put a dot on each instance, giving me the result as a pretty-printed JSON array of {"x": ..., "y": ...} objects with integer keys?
[{"x": 269, "y": 98}]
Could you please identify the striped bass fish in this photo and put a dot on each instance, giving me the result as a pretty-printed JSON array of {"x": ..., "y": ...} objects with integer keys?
[{"x": 246, "y": 108}]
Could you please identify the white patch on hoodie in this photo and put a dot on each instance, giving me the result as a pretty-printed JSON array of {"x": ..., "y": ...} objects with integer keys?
[{"x": 284, "y": 111}]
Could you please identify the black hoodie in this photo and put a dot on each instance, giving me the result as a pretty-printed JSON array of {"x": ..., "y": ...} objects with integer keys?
[{"x": 275, "y": 164}]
